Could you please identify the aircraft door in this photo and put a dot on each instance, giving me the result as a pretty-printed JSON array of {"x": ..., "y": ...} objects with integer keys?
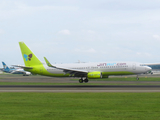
[{"x": 134, "y": 66}]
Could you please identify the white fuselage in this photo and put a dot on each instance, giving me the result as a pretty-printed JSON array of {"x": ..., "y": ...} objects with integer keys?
[{"x": 111, "y": 67}]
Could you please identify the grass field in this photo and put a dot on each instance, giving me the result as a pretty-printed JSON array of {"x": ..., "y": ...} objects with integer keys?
[{"x": 80, "y": 106}]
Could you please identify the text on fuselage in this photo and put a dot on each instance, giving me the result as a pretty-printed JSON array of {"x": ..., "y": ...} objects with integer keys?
[{"x": 111, "y": 64}]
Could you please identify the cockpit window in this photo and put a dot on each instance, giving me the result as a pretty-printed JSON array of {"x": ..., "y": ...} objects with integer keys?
[{"x": 143, "y": 65}]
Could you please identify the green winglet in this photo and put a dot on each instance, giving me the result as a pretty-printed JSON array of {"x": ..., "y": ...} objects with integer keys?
[{"x": 47, "y": 62}]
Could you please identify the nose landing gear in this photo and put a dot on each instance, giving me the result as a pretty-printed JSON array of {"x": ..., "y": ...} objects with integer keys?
[{"x": 137, "y": 77}]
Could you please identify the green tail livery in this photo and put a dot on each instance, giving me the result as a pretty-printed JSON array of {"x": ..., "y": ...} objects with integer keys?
[{"x": 83, "y": 70}]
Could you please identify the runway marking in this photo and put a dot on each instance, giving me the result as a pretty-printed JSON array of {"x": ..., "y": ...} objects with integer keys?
[{"x": 79, "y": 88}]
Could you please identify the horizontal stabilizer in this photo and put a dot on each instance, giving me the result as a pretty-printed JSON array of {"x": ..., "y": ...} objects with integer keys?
[{"x": 22, "y": 66}]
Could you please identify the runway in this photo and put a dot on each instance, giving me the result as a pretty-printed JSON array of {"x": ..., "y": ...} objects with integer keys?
[
  {"x": 79, "y": 88},
  {"x": 129, "y": 86}
]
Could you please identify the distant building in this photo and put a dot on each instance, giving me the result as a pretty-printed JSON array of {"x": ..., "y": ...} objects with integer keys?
[{"x": 155, "y": 68}]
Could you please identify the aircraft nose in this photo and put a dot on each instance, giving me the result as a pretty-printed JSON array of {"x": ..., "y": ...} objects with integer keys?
[{"x": 148, "y": 68}]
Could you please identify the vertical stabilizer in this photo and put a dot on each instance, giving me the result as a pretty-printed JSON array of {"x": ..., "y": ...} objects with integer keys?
[
  {"x": 6, "y": 68},
  {"x": 28, "y": 56}
]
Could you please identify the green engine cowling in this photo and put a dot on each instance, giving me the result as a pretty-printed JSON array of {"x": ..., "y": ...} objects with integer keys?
[{"x": 94, "y": 75}]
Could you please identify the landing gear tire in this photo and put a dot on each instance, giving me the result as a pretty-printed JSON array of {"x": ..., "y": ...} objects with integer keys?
[
  {"x": 137, "y": 77},
  {"x": 80, "y": 80},
  {"x": 86, "y": 80}
]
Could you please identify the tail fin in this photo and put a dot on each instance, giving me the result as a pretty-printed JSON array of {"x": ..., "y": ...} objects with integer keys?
[
  {"x": 6, "y": 68},
  {"x": 28, "y": 56}
]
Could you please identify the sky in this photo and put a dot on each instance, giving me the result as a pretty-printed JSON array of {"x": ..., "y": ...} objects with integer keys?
[{"x": 68, "y": 31}]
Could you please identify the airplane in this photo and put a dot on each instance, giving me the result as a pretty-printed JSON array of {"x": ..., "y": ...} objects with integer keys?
[
  {"x": 1, "y": 70},
  {"x": 13, "y": 70},
  {"x": 83, "y": 70}
]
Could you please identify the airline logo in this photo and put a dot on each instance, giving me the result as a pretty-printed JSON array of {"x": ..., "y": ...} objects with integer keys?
[
  {"x": 5, "y": 66},
  {"x": 111, "y": 64},
  {"x": 27, "y": 57}
]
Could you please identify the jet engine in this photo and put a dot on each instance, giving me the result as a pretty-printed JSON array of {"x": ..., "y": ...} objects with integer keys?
[
  {"x": 94, "y": 75},
  {"x": 27, "y": 74}
]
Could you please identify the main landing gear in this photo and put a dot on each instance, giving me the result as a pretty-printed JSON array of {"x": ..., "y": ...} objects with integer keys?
[{"x": 81, "y": 80}]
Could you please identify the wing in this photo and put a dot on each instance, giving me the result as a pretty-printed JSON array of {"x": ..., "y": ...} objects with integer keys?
[
  {"x": 22, "y": 66},
  {"x": 74, "y": 72},
  {"x": 18, "y": 71}
]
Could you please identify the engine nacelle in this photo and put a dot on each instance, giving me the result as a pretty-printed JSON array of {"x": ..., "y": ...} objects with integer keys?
[
  {"x": 26, "y": 74},
  {"x": 94, "y": 75}
]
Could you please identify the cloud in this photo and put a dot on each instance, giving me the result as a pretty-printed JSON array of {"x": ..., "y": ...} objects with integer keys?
[
  {"x": 91, "y": 31},
  {"x": 10, "y": 8},
  {"x": 91, "y": 50},
  {"x": 157, "y": 37},
  {"x": 64, "y": 32},
  {"x": 124, "y": 5},
  {"x": 143, "y": 54},
  {"x": 2, "y": 31}
]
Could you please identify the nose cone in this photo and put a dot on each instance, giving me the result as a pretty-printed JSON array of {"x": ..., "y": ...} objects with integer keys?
[{"x": 148, "y": 68}]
